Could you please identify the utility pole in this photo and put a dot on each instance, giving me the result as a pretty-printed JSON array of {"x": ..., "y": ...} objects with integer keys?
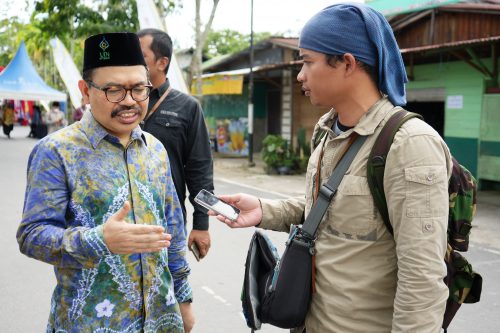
[{"x": 251, "y": 163}]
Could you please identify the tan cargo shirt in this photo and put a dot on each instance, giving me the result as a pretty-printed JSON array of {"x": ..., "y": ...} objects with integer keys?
[{"x": 366, "y": 279}]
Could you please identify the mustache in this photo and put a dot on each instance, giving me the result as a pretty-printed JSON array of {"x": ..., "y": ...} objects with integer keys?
[{"x": 116, "y": 111}]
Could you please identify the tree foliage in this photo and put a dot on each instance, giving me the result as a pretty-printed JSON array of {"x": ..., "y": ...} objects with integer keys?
[
  {"x": 166, "y": 7},
  {"x": 229, "y": 41},
  {"x": 9, "y": 29},
  {"x": 72, "y": 21}
]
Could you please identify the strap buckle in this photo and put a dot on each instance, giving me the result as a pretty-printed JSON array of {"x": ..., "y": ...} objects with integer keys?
[{"x": 326, "y": 192}]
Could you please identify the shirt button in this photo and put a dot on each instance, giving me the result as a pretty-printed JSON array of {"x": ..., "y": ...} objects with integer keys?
[
  {"x": 430, "y": 177},
  {"x": 167, "y": 124},
  {"x": 428, "y": 227}
]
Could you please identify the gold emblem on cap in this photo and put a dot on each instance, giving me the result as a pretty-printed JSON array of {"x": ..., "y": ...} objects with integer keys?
[{"x": 104, "y": 45}]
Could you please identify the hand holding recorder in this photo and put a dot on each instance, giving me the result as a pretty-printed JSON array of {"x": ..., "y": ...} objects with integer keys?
[
  {"x": 248, "y": 206},
  {"x": 213, "y": 203}
]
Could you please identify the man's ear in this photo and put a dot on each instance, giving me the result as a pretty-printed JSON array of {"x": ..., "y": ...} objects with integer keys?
[
  {"x": 162, "y": 63},
  {"x": 350, "y": 63},
  {"x": 84, "y": 89}
]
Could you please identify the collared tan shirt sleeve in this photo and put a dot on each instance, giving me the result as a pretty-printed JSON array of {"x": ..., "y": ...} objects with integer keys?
[
  {"x": 416, "y": 186},
  {"x": 278, "y": 215}
]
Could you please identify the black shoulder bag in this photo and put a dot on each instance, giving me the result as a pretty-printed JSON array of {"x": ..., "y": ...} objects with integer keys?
[{"x": 278, "y": 291}]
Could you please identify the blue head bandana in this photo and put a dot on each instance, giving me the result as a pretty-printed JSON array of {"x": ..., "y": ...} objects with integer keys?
[{"x": 365, "y": 33}]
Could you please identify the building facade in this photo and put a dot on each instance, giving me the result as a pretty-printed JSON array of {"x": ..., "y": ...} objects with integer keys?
[{"x": 451, "y": 56}]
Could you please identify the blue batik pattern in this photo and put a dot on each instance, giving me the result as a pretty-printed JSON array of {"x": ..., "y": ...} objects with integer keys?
[
  {"x": 82, "y": 215},
  {"x": 118, "y": 200},
  {"x": 162, "y": 321},
  {"x": 85, "y": 283},
  {"x": 126, "y": 286},
  {"x": 148, "y": 196},
  {"x": 95, "y": 240}
]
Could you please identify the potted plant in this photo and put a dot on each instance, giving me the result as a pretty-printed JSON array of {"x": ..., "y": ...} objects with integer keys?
[
  {"x": 291, "y": 163},
  {"x": 278, "y": 156}
]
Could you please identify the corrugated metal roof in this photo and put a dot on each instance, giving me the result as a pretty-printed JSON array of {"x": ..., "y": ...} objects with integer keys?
[
  {"x": 291, "y": 42},
  {"x": 469, "y": 28},
  {"x": 214, "y": 61},
  {"x": 256, "y": 69},
  {"x": 451, "y": 45},
  {"x": 472, "y": 7}
]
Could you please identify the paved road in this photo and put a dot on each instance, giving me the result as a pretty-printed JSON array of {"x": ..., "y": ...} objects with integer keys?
[
  {"x": 217, "y": 279},
  {"x": 26, "y": 284}
]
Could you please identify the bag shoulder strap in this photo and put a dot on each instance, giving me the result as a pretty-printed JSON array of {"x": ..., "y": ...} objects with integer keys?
[
  {"x": 376, "y": 161},
  {"x": 328, "y": 190},
  {"x": 157, "y": 104}
]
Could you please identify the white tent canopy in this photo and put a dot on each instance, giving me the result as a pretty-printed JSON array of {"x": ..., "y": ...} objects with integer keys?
[{"x": 19, "y": 80}]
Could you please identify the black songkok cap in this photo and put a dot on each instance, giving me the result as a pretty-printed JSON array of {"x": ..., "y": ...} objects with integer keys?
[{"x": 112, "y": 49}]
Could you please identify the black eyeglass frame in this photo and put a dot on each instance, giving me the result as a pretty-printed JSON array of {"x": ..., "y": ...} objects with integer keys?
[{"x": 105, "y": 89}]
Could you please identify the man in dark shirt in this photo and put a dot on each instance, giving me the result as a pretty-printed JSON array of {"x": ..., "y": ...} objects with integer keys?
[{"x": 178, "y": 122}]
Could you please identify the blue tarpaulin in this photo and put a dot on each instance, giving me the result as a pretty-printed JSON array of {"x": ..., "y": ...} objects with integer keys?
[{"x": 19, "y": 80}]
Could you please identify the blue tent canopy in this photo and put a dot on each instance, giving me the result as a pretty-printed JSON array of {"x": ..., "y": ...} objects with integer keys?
[{"x": 19, "y": 80}]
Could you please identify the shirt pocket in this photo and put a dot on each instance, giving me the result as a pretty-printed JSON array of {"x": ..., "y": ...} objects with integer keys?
[
  {"x": 352, "y": 214},
  {"x": 172, "y": 131},
  {"x": 168, "y": 122},
  {"x": 424, "y": 186}
]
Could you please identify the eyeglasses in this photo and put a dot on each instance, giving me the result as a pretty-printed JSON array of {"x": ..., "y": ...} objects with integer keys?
[{"x": 116, "y": 94}]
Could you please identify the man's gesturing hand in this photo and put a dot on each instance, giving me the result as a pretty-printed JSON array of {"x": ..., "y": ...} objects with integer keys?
[{"x": 122, "y": 237}]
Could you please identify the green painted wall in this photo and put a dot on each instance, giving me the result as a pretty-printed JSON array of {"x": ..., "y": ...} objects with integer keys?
[
  {"x": 226, "y": 106},
  {"x": 218, "y": 107},
  {"x": 461, "y": 126},
  {"x": 391, "y": 7},
  {"x": 465, "y": 150},
  {"x": 489, "y": 146},
  {"x": 458, "y": 79},
  {"x": 235, "y": 106}
]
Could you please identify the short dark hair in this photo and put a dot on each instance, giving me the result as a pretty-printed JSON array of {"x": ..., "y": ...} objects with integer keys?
[
  {"x": 87, "y": 75},
  {"x": 161, "y": 44},
  {"x": 55, "y": 104},
  {"x": 332, "y": 59}
]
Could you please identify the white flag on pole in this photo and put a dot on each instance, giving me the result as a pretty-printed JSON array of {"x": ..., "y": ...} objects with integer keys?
[
  {"x": 149, "y": 18},
  {"x": 68, "y": 71}
]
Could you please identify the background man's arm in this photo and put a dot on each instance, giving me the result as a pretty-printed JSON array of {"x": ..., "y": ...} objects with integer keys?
[
  {"x": 198, "y": 176},
  {"x": 177, "y": 263}
]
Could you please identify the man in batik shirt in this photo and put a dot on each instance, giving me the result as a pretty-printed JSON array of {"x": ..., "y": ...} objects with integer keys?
[{"x": 101, "y": 206}]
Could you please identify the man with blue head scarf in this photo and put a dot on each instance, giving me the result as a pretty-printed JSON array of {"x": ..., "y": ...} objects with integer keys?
[
  {"x": 366, "y": 280},
  {"x": 364, "y": 33}
]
